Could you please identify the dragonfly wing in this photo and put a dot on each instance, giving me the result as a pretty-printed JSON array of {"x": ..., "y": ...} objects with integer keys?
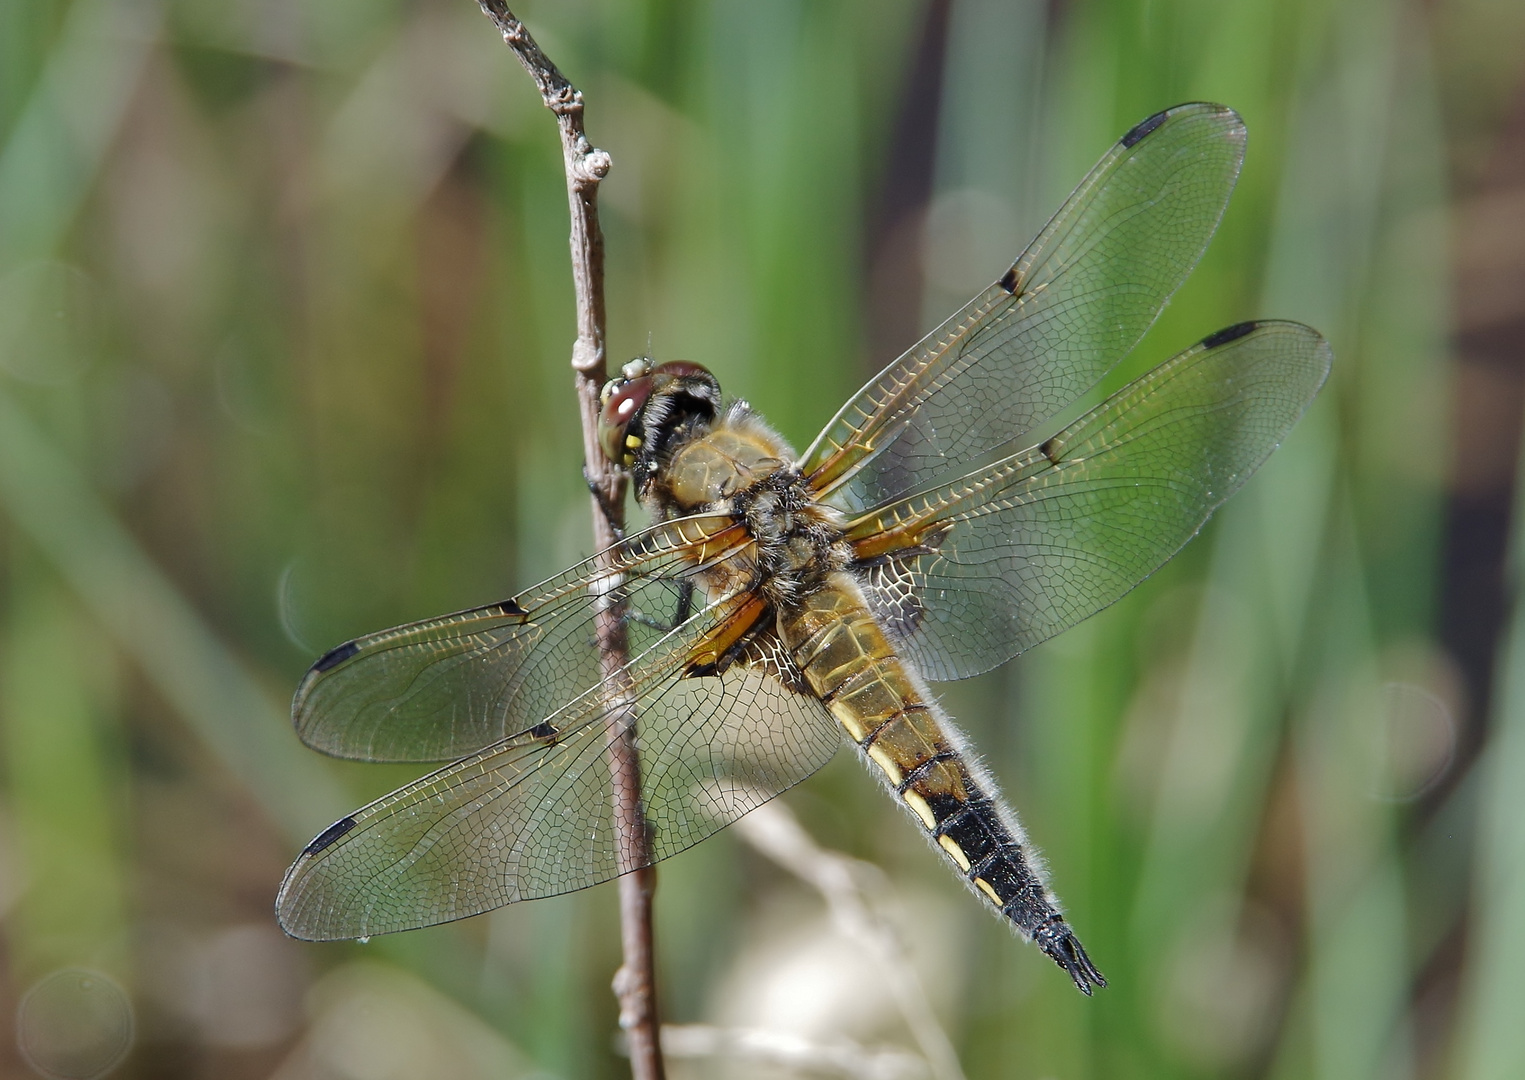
[
  {"x": 1070, "y": 308},
  {"x": 533, "y": 815},
  {"x": 995, "y": 562},
  {"x": 438, "y": 689}
]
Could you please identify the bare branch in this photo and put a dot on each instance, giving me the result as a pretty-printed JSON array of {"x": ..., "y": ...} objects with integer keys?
[{"x": 585, "y": 166}]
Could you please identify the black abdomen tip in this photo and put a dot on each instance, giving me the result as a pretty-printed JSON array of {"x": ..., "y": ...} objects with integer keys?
[
  {"x": 1227, "y": 334},
  {"x": 1143, "y": 128},
  {"x": 1057, "y": 939}
]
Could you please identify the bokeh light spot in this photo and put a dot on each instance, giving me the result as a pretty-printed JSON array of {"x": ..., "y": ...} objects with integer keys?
[{"x": 74, "y": 1024}]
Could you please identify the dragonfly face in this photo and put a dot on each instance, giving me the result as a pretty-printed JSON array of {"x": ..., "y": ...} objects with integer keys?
[
  {"x": 650, "y": 408},
  {"x": 940, "y": 524}
]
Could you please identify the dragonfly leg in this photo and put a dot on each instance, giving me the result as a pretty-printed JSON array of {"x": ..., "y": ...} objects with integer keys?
[{"x": 605, "y": 507}]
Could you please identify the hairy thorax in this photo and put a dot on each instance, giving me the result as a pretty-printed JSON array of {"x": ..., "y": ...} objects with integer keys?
[{"x": 742, "y": 467}]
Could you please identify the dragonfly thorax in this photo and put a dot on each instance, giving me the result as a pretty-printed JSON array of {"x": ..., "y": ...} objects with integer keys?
[
  {"x": 799, "y": 540},
  {"x": 738, "y": 465},
  {"x": 717, "y": 461}
]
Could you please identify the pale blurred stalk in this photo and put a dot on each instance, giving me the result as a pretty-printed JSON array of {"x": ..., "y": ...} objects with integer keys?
[
  {"x": 66, "y": 781},
  {"x": 1491, "y": 1036}
]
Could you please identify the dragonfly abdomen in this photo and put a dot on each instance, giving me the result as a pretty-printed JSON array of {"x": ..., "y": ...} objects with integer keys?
[{"x": 849, "y": 662}]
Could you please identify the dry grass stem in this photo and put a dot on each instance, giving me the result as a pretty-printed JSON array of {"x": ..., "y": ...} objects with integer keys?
[
  {"x": 853, "y": 891},
  {"x": 839, "y": 1058}
]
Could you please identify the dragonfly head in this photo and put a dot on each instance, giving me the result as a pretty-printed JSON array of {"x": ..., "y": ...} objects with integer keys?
[{"x": 648, "y": 407}]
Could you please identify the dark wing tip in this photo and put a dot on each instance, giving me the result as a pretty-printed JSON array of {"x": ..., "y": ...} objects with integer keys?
[
  {"x": 1063, "y": 947},
  {"x": 335, "y": 656},
  {"x": 329, "y": 835},
  {"x": 1146, "y": 127},
  {"x": 290, "y": 910},
  {"x": 1137, "y": 133},
  {"x": 1229, "y": 333}
]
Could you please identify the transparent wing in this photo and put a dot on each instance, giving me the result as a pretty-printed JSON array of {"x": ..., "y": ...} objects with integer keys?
[
  {"x": 1070, "y": 308},
  {"x": 532, "y": 816},
  {"x": 966, "y": 576},
  {"x": 438, "y": 689}
]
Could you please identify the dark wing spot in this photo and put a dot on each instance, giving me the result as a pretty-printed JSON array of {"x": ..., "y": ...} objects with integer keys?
[
  {"x": 511, "y": 607},
  {"x": 932, "y": 539},
  {"x": 1050, "y": 451},
  {"x": 1227, "y": 334},
  {"x": 335, "y": 656},
  {"x": 544, "y": 730},
  {"x": 1143, "y": 128},
  {"x": 1009, "y": 281},
  {"x": 701, "y": 671},
  {"x": 329, "y": 835}
]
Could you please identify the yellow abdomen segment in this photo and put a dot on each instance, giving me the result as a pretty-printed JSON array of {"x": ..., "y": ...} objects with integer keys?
[{"x": 847, "y": 660}]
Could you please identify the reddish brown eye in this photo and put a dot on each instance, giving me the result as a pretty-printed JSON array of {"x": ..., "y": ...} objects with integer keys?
[
  {"x": 624, "y": 400},
  {"x": 679, "y": 369}
]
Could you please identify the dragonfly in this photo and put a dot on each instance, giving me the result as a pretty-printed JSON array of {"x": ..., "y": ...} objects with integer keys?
[{"x": 955, "y": 512}]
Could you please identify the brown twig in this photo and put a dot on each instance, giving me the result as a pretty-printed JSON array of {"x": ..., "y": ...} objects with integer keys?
[{"x": 635, "y": 982}]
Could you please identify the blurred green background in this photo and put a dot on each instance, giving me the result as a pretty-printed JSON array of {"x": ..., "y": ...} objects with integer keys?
[{"x": 285, "y": 316}]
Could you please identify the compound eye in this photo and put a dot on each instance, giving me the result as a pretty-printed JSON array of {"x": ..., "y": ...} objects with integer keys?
[
  {"x": 622, "y": 401},
  {"x": 680, "y": 369}
]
